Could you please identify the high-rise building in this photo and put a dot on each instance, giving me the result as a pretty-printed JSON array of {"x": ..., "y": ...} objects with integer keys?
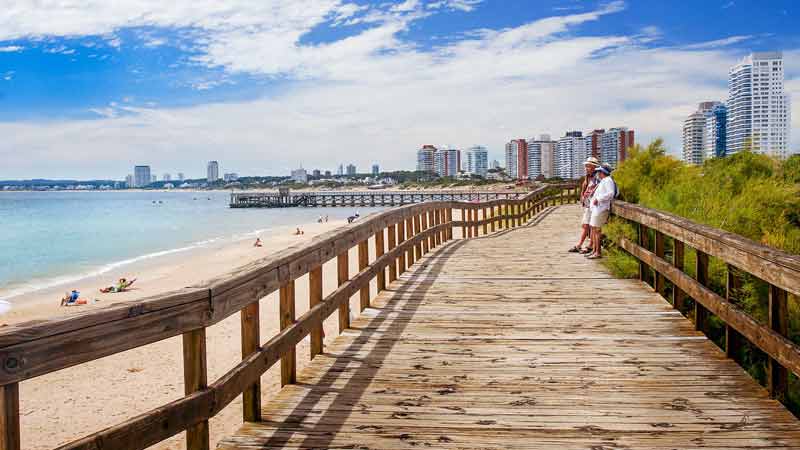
[
  {"x": 180, "y": 176},
  {"x": 316, "y": 173},
  {"x": 340, "y": 170},
  {"x": 167, "y": 177},
  {"x": 495, "y": 164},
  {"x": 153, "y": 179},
  {"x": 351, "y": 170},
  {"x": 327, "y": 174},
  {"x": 212, "y": 172},
  {"x": 376, "y": 170},
  {"x": 477, "y": 161},
  {"x": 614, "y": 145},
  {"x": 141, "y": 176},
  {"x": 447, "y": 162},
  {"x": 300, "y": 175},
  {"x": 230, "y": 177},
  {"x": 517, "y": 159},
  {"x": 540, "y": 157},
  {"x": 534, "y": 162},
  {"x": 593, "y": 142},
  {"x": 570, "y": 154},
  {"x": 759, "y": 112},
  {"x": 129, "y": 181},
  {"x": 714, "y": 131},
  {"x": 425, "y": 159},
  {"x": 693, "y": 128}
]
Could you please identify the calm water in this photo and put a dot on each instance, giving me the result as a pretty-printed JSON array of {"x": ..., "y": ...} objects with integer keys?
[{"x": 49, "y": 238}]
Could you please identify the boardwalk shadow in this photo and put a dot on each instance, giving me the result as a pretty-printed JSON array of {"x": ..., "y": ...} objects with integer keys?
[{"x": 322, "y": 432}]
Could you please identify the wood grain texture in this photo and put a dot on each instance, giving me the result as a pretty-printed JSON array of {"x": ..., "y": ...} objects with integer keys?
[
  {"x": 286, "y": 309},
  {"x": 251, "y": 340},
  {"x": 489, "y": 344},
  {"x": 9, "y": 417},
  {"x": 771, "y": 265},
  {"x": 195, "y": 378}
]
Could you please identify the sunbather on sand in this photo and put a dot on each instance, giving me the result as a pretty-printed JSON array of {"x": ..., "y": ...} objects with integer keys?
[{"x": 121, "y": 286}]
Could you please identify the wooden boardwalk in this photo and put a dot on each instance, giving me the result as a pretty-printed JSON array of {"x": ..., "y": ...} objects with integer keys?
[{"x": 508, "y": 342}]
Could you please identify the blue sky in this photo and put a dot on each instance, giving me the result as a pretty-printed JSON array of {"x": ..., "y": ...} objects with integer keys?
[{"x": 90, "y": 91}]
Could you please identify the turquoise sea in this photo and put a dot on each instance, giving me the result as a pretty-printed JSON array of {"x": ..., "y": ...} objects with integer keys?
[{"x": 51, "y": 238}]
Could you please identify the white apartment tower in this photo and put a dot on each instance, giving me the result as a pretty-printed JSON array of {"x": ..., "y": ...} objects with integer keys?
[
  {"x": 571, "y": 152},
  {"x": 425, "y": 159},
  {"x": 693, "y": 131},
  {"x": 541, "y": 152},
  {"x": 477, "y": 161},
  {"x": 447, "y": 162},
  {"x": 759, "y": 112},
  {"x": 212, "y": 171},
  {"x": 141, "y": 176}
]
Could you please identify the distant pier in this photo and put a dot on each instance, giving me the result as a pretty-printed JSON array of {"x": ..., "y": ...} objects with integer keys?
[{"x": 284, "y": 199}]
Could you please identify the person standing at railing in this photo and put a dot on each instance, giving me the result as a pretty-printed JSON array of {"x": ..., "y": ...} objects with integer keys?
[
  {"x": 588, "y": 186},
  {"x": 600, "y": 208}
]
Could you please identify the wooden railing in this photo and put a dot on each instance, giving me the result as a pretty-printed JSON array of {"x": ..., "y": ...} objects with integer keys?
[
  {"x": 779, "y": 269},
  {"x": 401, "y": 236}
]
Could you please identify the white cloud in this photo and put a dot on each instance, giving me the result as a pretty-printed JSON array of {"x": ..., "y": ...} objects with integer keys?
[
  {"x": 11, "y": 49},
  {"x": 373, "y": 97},
  {"x": 718, "y": 42}
]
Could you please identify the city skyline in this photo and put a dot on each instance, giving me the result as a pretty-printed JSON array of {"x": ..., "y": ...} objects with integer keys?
[{"x": 248, "y": 82}]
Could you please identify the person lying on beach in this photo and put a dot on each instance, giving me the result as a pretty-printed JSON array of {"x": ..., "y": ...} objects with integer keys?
[
  {"x": 70, "y": 297},
  {"x": 121, "y": 286},
  {"x": 257, "y": 243}
]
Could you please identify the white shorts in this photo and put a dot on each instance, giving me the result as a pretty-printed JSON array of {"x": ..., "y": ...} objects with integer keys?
[
  {"x": 599, "y": 218},
  {"x": 587, "y": 216}
]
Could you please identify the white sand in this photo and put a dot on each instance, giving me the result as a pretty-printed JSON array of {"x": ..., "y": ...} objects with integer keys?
[{"x": 71, "y": 403}]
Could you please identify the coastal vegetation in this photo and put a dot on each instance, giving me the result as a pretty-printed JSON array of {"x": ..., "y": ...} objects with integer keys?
[{"x": 752, "y": 195}]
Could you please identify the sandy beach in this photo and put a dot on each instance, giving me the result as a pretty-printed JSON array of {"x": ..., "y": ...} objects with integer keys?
[{"x": 62, "y": 406}]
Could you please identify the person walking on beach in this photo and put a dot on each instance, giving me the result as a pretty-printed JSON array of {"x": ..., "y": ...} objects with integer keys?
[
  {"x": 588, "y": 186},
  {"x": 600, "y": 208}
]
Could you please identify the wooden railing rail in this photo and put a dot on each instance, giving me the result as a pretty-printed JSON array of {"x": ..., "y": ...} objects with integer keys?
[
  {"x": 402, "y": 235},
  {"x": 741, "y": 255}
]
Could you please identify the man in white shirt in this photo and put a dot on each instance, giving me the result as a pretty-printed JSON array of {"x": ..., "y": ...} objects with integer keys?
[{"x": 600, "y": 207}]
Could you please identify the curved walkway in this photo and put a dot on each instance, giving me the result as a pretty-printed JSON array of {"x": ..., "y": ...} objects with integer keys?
[{"x": 509, "y": 342}]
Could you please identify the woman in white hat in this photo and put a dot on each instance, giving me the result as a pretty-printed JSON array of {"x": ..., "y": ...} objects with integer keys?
[
  {"x": 588, "y": 186},
  {"x": 600, "y": 207}
]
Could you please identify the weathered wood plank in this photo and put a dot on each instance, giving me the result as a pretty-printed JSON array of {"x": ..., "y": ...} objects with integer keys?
[{"x": 251, "y": 340}]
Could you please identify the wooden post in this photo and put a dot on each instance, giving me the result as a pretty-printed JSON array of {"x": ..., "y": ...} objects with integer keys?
[
  {"x": 417, "y": 222},
  {"x": 474, "y": 218},
  {"x": 409, "y": 235},
  {"x": 493, "y": 225},
  {"x": 401, "y": 236},
  {"x": 485, "y": 219},
  {"x": 195, "y": 378},
  {"x": 287, "y": 315},
  {"x": 315, "y": 298},
  {"x": 700, "y": 312},
  {"x": 733, "y": 340},
  {"x": 251, "y": 341},
  {"x": 363, "y": 262},
  {"x": 660, "y": 284},
  {"x": 643, "y": 242},
  {"x": 678, "y": 295},
  {"x": 392, "y": 236},
  {"x": 379, "y": 251},
  {"x": 343, "y": 274},
  {"x": 507, "y": 215},
  {"x": 9, "y": 419},
  {"x": 448, "y": 218},
  {"x": 464, "y": 223},
  {"x": 427, "y": 243},
  {"x": 777, "y": 375}
]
